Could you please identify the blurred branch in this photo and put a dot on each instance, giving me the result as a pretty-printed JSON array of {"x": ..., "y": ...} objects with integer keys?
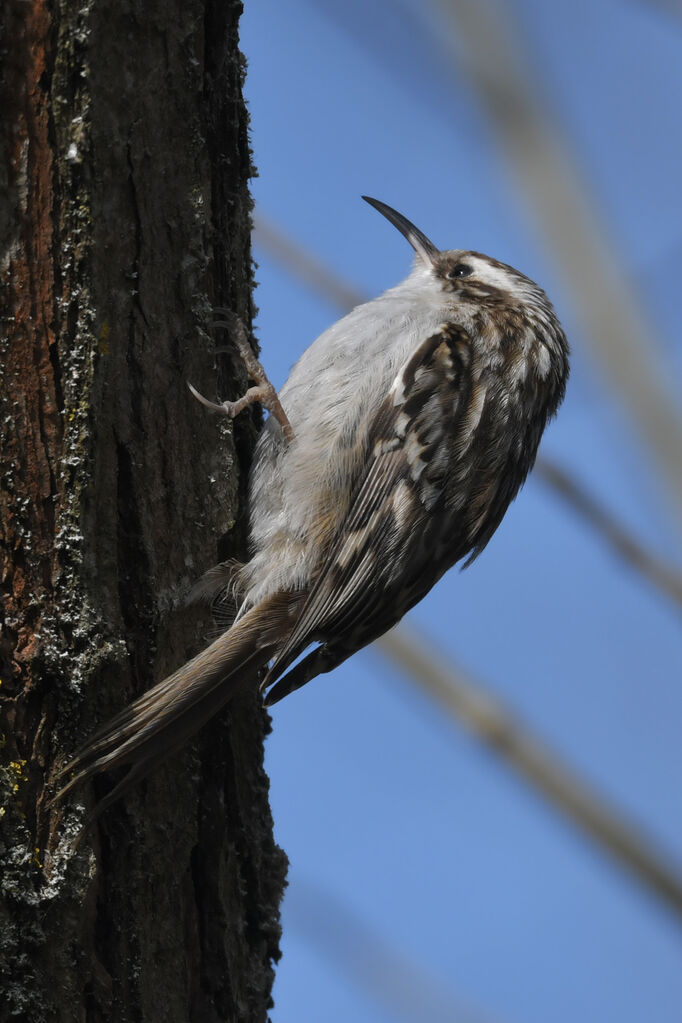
[
  {"x": 672, "y": 7},
  {"x": 304, "y": 266},
  {"x": 657, "y": 571},
  {"x": 485, "y": 717},
  {"x": 392, "y": 979},
  {"x": 484, "y": 42},
  {"x": 315, "y": 275},
  {"x": 466, "y": 701}
]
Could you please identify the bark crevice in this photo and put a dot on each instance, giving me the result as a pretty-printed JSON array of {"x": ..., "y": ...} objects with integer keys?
[{"x": 124, "y": 214}]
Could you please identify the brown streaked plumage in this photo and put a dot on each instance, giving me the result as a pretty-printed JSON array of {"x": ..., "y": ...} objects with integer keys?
[{"x": 415, "y": 420}]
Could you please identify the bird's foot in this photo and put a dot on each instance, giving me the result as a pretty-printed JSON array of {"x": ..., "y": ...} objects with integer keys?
[{"x": 263, "y": 393}]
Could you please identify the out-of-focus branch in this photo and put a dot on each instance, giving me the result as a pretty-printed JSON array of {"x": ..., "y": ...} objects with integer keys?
[
  {"x": 484, "y": 42},
  {"x": 304, "y": 266},
  {"x": 315, "y": 275},
  {"x": 389, "y": 977},
  {"x": 466, "y": 701},
  {"x": 657, "y": 571},
  {"x": 671, "y": 7}
]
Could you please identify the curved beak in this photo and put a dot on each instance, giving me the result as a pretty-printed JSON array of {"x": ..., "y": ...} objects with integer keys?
[{"x": 419, "y": 242}]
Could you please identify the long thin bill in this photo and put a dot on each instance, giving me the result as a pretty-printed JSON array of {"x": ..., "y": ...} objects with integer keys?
[{"x": 419, "y": 242}]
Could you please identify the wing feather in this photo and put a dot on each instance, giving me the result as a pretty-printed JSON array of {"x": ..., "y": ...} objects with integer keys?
[{"x": 390, "y": 520}]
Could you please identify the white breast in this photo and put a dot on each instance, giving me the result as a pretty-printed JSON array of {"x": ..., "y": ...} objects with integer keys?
[{"x": 299, "y": 493}]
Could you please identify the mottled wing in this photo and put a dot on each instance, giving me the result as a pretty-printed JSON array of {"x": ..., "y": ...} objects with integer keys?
[{"x": 383, "y": 558}]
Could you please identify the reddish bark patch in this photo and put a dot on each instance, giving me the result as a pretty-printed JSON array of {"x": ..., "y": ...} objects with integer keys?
[{"x": 31, "y": 430}]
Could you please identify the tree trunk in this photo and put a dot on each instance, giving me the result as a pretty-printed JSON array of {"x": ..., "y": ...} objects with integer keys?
[{"x": 124, "y": 216}]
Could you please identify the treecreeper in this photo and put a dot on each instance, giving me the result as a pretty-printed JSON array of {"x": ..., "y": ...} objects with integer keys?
[{"x": 392, "y": 452}]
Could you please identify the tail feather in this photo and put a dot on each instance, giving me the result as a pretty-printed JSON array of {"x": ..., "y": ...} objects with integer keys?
[{"x": 164, "y": 717}]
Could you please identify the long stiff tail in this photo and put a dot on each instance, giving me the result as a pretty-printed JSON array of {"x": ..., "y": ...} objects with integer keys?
[{"x": 164, "y": 717}]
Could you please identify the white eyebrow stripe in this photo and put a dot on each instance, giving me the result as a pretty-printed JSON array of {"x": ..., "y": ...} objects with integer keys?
[{"x": 496, "y": 276}]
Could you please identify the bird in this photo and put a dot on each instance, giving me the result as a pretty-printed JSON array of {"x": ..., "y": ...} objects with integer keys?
[{"x": 391, "y": 453}]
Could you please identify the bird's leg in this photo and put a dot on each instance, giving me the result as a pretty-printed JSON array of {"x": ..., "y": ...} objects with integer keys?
[{"x": 263, "y": 392}]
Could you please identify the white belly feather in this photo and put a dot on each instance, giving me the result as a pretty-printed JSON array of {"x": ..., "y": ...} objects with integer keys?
[{"x": 299, "y": 493}]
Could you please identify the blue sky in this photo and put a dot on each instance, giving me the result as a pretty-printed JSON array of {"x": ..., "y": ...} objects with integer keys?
[{"x": 385, "y": 807}]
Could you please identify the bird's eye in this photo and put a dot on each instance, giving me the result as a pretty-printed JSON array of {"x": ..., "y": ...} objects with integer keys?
[{"x": 461, "y": 270}]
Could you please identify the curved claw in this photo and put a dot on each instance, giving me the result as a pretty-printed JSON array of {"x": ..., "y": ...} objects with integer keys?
[
  {"x": 209, "y": 404},
  {"x": 229, "y": 314},
  {"x": 264, "y": 393}
]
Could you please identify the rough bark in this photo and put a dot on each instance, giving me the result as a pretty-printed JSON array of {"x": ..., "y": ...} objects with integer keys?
[{"x": 124, "y": 219}]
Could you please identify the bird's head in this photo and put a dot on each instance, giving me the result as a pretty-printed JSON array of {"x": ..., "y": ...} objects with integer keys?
[
  {"x": 507, "y": 312},
  {"x": 468, "y": 276}
]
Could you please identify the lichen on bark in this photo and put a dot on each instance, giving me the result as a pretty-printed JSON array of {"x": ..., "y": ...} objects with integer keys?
[{"x": 125, "y": 219}]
